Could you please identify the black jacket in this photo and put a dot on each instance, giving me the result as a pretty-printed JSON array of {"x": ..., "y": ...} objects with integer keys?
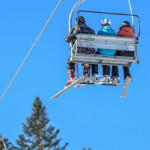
[{"x": 71, "y": 36}]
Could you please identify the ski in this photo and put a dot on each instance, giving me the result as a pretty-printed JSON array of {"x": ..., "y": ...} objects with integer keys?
[
  {"x": 126, "y": 87},
  {"x": 108, "y": 83},
  {"x": 68, "y": 87},
  {"x": 84, "y": 82}
]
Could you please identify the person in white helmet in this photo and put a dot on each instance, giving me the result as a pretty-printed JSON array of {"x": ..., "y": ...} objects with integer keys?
[{"x": 106, "y": 30}]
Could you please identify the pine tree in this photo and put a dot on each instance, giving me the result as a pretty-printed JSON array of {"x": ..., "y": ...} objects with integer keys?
[
  {"x": 37, "y": 134},
  {"x": 8, "y": 144},
  {"x": 85, "y": 148}
]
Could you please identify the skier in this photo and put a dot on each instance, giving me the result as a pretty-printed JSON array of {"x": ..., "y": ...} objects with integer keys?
[
  {"x": 106, "y": 30},
  {"x": 124, "y": 31},
  {"x": 70, "y": 38}
]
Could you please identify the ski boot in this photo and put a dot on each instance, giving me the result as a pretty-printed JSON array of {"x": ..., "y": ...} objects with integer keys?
[
  {"x": 71, "y": 76},
  {"x": 86, "y": 70},
  {"x": 125, "y": 80},
  {"x": 115, "y": 80},
  {"x": 105, "y": 79},
  {"x": 95, "y": 78}
]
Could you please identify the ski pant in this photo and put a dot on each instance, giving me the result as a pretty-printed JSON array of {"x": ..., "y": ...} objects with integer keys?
[
  {"x": 71, "y": 65},
  {"x": 106, "y": 70},
  {"x": 125, "y": 69}
]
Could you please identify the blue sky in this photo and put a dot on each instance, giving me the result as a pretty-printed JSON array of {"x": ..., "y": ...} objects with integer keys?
[{"x": 92, "y": 116}]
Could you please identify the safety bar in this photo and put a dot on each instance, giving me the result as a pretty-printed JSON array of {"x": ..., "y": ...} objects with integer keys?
[{"x": 122, "y": 14}]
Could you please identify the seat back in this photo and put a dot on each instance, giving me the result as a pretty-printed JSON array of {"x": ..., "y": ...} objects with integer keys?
[{"x": 106, "y": 42}]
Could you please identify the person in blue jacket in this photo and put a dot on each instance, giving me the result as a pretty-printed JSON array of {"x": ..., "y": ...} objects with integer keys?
[{"x": 106, "y": 30}]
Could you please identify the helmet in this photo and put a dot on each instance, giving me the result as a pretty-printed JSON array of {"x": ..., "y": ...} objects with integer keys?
[
  {"x": 125, "y": 24},
  {"x": 106, "y": 22},
  {"x": 80, "y": 19}
]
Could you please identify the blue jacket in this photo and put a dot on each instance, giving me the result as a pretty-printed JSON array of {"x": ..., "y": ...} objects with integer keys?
[{"x": 106, "y": 30}]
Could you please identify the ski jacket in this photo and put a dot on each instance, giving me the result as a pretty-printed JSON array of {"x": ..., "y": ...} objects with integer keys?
[
  {"x": 108, "y": 31},
  {"x": 71, "y": 36},
  {"x": 126, "y": 32}
]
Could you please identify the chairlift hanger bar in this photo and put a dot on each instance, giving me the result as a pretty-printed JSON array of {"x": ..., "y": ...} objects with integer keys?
[
  {"x": 71, "y": 15},
  {"x": 132, "y": 14},
  {"x": 121, "y": 14},
  {"x": 72, "y": 12}
]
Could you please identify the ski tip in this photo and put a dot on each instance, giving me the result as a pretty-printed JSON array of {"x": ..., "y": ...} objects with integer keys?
[
  {"x": 123, "y": 96},
  {"x": 53, "y": 98}
]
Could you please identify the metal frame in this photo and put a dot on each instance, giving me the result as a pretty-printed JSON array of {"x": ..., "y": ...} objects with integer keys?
[
  {"x": 108, "y": 43},
  {"x": 105, "y": 42},
  {"x": 89, "y": 41}
]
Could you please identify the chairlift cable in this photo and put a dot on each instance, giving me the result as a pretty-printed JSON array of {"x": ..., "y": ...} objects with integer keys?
[{"x": 30, "y": 50}]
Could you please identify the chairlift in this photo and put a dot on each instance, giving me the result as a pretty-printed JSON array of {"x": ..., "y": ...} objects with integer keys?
[
  {"x": 105, "y": 42},
  {"x": 102, "y": 42}
]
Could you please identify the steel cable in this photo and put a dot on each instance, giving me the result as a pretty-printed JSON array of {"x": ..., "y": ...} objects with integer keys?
[{"x": 30, "y": 50}]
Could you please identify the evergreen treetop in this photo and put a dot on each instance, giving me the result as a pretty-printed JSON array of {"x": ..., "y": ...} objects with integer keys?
[
  {"x": 85, "y": 148},
  {"x": 37, "y": 134}
]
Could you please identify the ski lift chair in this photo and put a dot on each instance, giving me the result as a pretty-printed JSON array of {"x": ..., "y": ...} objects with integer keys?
[
  {"x": 105, "y": 42},
  {"x": 102, "y": 42}
]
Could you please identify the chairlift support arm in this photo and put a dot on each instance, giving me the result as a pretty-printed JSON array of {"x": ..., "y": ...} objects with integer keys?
[
  {"x": 132, "y": 15},
  {"x": 72, "y": 12}
]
